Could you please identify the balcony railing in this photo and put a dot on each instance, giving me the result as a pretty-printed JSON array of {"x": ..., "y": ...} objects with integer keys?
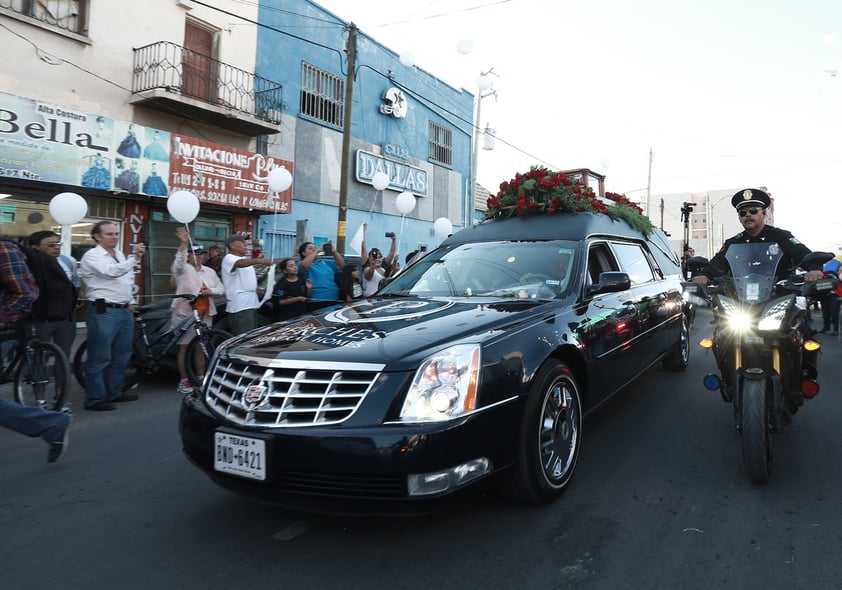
[{"x": 178, "y": 70}]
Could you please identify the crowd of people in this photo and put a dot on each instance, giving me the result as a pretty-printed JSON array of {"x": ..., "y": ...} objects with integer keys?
[{"x": 41, "y": 288}]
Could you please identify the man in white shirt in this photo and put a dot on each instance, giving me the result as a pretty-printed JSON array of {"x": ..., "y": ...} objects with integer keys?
[
  {"x": 108, "y": 276},
  {"x": 240, "y": 283}
]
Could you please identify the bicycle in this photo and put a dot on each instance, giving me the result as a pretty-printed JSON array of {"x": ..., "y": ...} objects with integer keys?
[
  {"x": 40, "y": 370},
  {"x": 150, "y": 353}
]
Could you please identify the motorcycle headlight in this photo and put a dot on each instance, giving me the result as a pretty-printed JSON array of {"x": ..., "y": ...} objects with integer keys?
[
  {"x": 739, "y": 321},
  {"x": 773, "y": 315},
  {"x": 444, "y": 386}
]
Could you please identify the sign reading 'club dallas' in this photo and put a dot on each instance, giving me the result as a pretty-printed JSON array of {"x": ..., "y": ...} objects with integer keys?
[{"x": 402, "y": 177}]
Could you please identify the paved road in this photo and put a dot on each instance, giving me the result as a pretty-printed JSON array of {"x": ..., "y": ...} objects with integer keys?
[{"x": 660, "y": 500}]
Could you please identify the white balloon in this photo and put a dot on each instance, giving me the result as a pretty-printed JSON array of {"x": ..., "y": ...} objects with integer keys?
[
  {"x": 443, "y": 227},
  {"x": 68, "y": 208},
  {"x": 465, "y": 46},
  {"x": 407, "y": 59},
  {"x": 380, "y": 180},
  {"x": 405, "y": 202},
  {"x": 279, "y": 179},
  {"x": 183, "y": 206}
]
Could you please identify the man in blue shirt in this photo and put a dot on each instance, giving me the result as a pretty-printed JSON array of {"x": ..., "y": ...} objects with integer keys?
[{"x": 322, "y": 272}]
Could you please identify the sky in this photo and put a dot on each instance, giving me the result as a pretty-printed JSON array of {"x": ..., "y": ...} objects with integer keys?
[{"x": 669, "y": 95}]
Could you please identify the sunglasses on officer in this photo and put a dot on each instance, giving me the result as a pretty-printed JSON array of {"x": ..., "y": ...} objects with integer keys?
[{"x": 747, "y": 210}]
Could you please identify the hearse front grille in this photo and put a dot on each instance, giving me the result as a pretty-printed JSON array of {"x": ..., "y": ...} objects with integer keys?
[{"x": 270, "y": 395}]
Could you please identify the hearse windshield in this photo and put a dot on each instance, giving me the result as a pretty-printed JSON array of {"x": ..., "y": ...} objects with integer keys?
[{"x": 512, "y": 269}]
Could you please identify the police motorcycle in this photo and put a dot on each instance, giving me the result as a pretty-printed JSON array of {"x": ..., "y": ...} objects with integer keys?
[{"x": 766, "y": 357}]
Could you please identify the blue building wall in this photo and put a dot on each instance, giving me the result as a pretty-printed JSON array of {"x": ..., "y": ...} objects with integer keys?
[{"x": 303, "y": 31}]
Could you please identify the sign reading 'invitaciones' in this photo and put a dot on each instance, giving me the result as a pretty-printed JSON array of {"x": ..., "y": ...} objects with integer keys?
[
  {"x": 44, "y": 142},
  {"x": 226, "y": 176}
]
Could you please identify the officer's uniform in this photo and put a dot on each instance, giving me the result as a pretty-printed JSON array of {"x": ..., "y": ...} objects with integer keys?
[{"x": 793, "y": 250}]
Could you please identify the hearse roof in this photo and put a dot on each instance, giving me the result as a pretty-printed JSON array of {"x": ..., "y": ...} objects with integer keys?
[{"x": 560, "y": 226}]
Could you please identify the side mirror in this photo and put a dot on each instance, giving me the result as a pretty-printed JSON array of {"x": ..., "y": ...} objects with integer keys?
[
  {"x": 814, "y": 258},
  {"x": 611, "y": 282}
]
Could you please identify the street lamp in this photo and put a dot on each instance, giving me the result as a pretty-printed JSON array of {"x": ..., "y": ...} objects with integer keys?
[{"x": 484, "y": 90}]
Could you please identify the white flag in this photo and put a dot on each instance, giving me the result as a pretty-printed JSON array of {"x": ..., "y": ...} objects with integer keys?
[
  {"x": 270, "y": 284},
  {"x": 357, "y": 241}
]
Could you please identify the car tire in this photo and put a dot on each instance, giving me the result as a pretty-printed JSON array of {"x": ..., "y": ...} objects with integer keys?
[
  {"x": 550, "y": 437},
  {"x": 679, "y": 357}
]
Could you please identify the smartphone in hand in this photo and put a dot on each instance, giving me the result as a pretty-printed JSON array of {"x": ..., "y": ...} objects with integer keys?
[{"x": 327, "y": 248}]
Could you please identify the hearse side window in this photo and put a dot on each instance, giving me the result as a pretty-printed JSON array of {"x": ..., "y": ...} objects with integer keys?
[
  {"x": 665, "y": 262},
  {"x": 633, "y": 260},
  {"x": 600, "y": 260}
]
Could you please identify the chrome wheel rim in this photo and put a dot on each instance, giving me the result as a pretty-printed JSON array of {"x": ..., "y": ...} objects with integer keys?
[{"x": 559, "y": 432}]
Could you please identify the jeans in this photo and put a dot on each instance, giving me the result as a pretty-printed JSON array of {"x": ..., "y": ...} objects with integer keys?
[
  {"x": 110, "y": 336},
  {"x": 33, "y": 421},
  {"x": 62, "y": 333}
]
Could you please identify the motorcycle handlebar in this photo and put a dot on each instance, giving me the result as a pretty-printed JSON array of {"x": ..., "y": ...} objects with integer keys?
[{"x": 794, "y": 284}]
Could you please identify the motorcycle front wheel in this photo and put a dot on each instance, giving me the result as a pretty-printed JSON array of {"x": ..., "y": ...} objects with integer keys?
[{"x": 756, "y": 431}]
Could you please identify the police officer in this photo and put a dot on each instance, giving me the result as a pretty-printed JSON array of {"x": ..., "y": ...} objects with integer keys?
[{"x": 751, "y": 204}]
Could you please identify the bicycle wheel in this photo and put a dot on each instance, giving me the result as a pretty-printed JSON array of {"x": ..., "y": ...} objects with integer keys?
[
  {"x": 199, "y": 352},
  {"x": 43, "y": 377},
  {"x": 80, "y": 360}
]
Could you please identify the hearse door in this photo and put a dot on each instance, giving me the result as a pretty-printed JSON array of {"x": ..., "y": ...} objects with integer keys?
[
  {"x": 607, "y": 329},
  {"x": 649, "y": 299}
]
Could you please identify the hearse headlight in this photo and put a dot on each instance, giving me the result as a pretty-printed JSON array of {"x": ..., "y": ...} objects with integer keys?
[{"x": 444, "y": 386}]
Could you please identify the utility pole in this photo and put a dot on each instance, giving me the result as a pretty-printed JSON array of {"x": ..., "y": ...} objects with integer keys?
[{"x": 351, "y": 50}]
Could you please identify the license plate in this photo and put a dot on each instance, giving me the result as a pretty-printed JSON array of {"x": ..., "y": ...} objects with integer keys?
[{"x": 240, "y": 455}]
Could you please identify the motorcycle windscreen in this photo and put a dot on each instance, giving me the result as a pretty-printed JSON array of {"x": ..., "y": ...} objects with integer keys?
[{"x": 754, "y": 270}]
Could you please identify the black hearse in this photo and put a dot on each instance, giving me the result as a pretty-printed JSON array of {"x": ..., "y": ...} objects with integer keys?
[{"x": 476, "y": 364}]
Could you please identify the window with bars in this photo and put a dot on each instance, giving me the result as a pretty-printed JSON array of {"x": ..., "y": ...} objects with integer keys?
[
  {"x": 67, "y": 15},
  {"x": 441, "y": 144},
  {"x": 322, "y": 95}
]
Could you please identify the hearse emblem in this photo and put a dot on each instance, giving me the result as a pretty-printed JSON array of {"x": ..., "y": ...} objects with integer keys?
[{"x": 255, "y": 394}]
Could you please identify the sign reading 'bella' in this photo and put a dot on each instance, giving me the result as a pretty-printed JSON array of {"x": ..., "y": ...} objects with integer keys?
[{"x": 49, "y": 143}]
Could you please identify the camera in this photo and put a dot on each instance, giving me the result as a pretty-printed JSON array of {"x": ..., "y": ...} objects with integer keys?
[
  {"x": 327, "y": 249},
  {"x": 390, "y": 234}
]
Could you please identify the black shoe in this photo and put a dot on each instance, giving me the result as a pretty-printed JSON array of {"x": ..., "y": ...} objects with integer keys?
[
  {"x": 102, "y": 406},
  {"x": 823, "y": 330},
  {"x": 834, "y": 332},
  {"x": 125, "y": 397}
]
